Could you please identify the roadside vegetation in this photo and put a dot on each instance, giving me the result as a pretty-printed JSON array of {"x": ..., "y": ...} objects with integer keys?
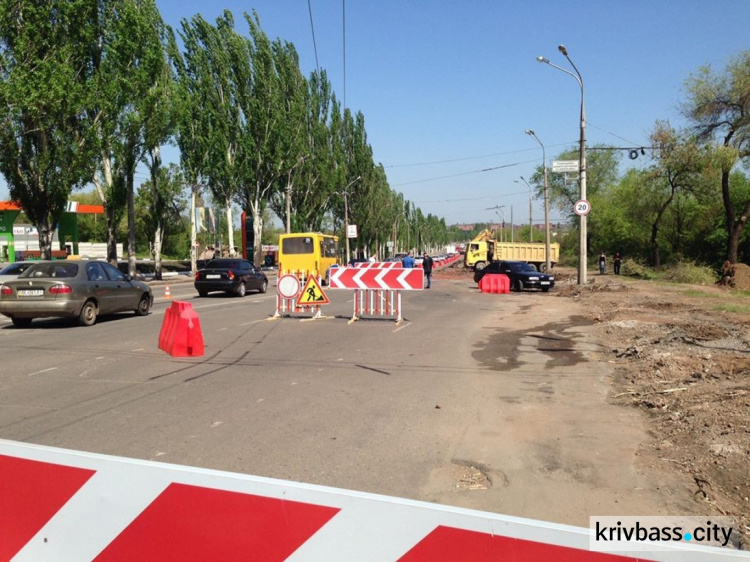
[{"x": 99, "y": 90}]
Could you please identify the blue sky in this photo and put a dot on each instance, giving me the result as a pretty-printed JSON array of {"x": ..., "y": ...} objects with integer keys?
[{"x": 448, "y": 88}]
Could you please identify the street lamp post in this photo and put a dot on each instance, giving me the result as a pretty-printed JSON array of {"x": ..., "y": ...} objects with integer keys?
[
  {"x": 498, "y": 210},
  {"x": 582, "y": 253},
  {"x": 547, "y": 263},
  {"x": 531, "y": 232},
  {"x": 345, "y": 193}
]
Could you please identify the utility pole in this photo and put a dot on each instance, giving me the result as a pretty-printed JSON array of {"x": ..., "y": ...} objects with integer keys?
[{"x": 345, "y": 193}]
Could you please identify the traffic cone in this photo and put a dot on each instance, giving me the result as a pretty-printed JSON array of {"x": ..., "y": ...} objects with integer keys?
[{"x": 167, "y": 294}]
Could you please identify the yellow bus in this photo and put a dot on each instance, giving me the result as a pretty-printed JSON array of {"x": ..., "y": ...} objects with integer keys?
[{"x": 308, "y": 252}]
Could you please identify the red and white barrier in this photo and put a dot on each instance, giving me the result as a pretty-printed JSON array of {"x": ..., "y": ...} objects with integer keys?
[
  {"x": 71, "y": 506},
  {"x": 374, "y": 277},
  {"x": 377, "y": 287}
]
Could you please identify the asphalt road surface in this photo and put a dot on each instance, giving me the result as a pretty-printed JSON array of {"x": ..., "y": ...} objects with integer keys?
[{"x": 495, "y": 402}]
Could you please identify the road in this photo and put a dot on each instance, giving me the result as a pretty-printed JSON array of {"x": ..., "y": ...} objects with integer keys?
[{"x": 495, "y": 402}]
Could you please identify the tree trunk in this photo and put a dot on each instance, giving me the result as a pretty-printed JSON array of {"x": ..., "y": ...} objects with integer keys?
[
  {"x": 45, "y": 231},
  {"x": 230, "y": 228},
  {"x": 131, "y": 223},
  {"x": 258, "y": 231},
  {"x": 111, "y": 240},
  {"x": 158, "y": 238},
  {"x": 193, "y": 233}
]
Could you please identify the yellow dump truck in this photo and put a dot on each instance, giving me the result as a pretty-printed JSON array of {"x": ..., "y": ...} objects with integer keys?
[{"x": 480, "y": 252}]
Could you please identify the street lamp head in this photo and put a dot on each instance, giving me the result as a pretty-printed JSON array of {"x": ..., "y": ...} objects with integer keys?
[
  {"x": 530, "y": 132},
  {"x": 562, "y": 49},
  {"x": 540, "y": 58}
]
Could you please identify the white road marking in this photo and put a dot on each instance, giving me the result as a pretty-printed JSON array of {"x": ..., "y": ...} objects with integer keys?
[
  {"x": 402, "y": 327},
  {"x": 253, "y": 322},
  {"x": 43, "y": 371}
]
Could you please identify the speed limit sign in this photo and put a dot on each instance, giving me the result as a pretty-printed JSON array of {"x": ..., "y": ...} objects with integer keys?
[{"x": 582, "y": 207}]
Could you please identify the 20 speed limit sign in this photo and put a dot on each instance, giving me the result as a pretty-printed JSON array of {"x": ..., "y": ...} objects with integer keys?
[{"x": 582, "y": 207}]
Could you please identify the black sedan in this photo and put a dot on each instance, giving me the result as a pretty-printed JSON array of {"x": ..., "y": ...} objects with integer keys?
[
  {"x": 231, "y": 275},
  {"x": 521, "y": 274}
]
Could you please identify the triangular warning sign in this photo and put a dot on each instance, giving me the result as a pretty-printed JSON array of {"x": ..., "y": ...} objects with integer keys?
[{"x": 312, "y": 294}]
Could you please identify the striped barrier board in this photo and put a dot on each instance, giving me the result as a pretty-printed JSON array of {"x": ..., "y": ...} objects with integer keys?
[
  {"x": 65, "y": 505},
  {"x": 395, "y": 278}
]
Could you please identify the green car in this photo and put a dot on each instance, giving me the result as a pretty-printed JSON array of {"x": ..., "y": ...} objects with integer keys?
[{"x": 72, "y": 289}]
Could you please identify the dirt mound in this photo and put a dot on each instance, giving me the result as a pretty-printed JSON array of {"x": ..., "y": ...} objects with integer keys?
[{"x": 742, "y": 276}]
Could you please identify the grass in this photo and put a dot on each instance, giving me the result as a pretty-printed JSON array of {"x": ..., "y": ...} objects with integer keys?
[{"x": 735, "y": 308}]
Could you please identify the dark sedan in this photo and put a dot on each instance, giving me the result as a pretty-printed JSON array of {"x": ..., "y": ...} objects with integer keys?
[
  {"x": 232, "y": 275},
  {"x": 74, "y": 289},
  {"x": 521, "y": 274}
]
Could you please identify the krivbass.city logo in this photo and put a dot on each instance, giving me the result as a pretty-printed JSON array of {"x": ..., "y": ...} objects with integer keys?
[{"x": 635, "y": 533}]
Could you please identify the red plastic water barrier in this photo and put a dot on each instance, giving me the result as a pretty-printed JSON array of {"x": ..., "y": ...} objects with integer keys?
[
  {"x": 495, "y": 283},
  {"x": 181, "y": 334}
]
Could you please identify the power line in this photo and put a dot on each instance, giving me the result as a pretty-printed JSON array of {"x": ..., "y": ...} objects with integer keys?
[
  {"x": 472, "y": 157},
  {"x": 467, "y": 173},
  {"x": 312, "y": 28}
]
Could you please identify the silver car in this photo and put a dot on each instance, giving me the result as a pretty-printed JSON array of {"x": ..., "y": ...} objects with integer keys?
[
  {"x": 72, "y": 289},
  {"x": 13, "y": 270}
]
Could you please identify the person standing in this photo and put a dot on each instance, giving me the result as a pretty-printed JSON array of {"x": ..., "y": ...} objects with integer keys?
[
  {"x": 602, "y": 263},
  {"x": 427, "y": 266},
  {"x": 408, "y": 260},
  {"x": 618, "y": 260}
]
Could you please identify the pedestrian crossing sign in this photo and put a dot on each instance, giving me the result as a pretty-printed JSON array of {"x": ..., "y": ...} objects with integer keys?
[{"x": 312, "y": 294}]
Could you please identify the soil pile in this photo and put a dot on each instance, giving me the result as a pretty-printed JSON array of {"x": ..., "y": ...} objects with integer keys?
[{"x": 741, "y": 276}]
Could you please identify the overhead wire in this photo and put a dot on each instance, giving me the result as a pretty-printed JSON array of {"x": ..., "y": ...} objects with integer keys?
[{"x": 312, "y": 28}]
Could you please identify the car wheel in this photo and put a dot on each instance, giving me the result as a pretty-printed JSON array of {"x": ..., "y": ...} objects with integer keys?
[
  {"x": 241, "y": 290},
  {"x": 87, "y": 317},
  {"x": 542, "y": 267},
  {"x": 203, "y": 294},
  {"x": 479, "y": 266},
  {"x": 21, "y": 322},
  {"x": 518, "y": 285},
  {"x": 263, "y": 287},
  {"x": 144, "y": 305}
]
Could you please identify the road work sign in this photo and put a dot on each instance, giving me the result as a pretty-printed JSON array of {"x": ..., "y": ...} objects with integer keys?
[{"x": 313, "y": 293}]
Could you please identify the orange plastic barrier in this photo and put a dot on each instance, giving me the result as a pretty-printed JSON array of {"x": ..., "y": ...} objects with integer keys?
[
  {"x": 181, "y": 334},
  {"x": 495, "y": 283}
]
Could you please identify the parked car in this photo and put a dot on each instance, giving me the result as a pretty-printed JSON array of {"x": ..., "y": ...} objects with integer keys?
[
  {"x": 230, "y": 275},
  {"x": 80, "y": 289},
  {"x": 521, "y": 274},
  {"x": 13, "y": 270}
]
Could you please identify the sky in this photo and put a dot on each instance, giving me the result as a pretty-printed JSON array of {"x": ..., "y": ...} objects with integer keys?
[{"x": 448, "y": 88}]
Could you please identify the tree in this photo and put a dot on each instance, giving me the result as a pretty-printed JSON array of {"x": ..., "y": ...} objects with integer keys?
[
  {"x": 270, "y": 144},
  {"x": 719, "y": 108},
  {"x": 679, "y": 163},
  {"x": 216, "y": 59},
  {"x": 44, "y": 139},
  {"x": 129, "y": 103},
  {"x": 159, "y": 209}
]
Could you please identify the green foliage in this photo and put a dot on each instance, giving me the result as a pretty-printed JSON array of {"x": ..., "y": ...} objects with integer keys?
[
  {"x": 45, "y": 144},
  {"x": 689, "y": 272},
  {"x": 634, "y": 268}
]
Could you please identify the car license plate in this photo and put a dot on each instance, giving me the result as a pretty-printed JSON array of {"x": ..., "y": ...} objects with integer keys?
[
  {"x": 545, "y": 283},
  {"x": 30, "y": 292},
  {"x": 213, "y": 276}
]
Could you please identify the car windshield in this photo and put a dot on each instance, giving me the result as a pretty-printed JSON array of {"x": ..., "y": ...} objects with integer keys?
[
  {"x": 50, "y": 270},
  {"x": 520, "y": 266}
]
